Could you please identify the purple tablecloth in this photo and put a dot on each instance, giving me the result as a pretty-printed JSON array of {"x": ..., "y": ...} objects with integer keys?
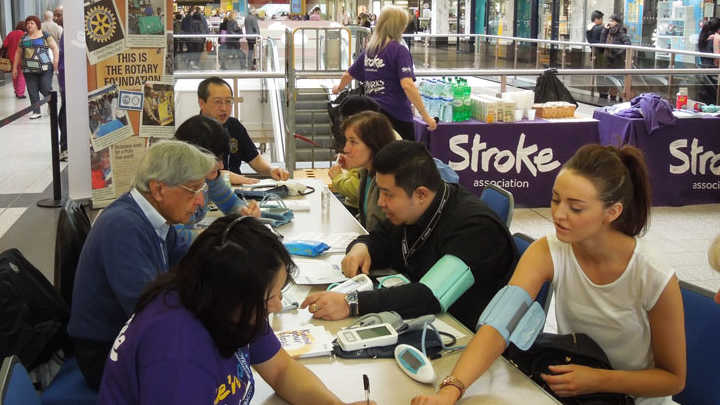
[
  {"x": 683, "y": 160},
  {"x": 522, "y": 157}
]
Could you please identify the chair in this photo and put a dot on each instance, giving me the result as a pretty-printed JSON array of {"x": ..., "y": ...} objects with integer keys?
[
  {"x": 69, "y": 387},
  {"x": 500, "y": 201},
  {"x": 16, "y": 388},
  {"x": 702, "y": 334},
  {"x": 72, "y": 229},
  {"x": 522, "y": 242}
]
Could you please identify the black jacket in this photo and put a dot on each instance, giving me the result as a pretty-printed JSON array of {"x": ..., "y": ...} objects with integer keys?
[
  {"x": 594, "y": 34},
  {"x": 466, "y": 229},
  {"x": 616, "y": 35}
]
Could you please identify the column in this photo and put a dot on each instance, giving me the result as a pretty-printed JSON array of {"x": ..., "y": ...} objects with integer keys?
[{"x": 439, "y": 24}]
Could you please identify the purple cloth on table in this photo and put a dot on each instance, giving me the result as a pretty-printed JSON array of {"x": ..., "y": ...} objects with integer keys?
[
  {"x": 381, "y": 75},
  {"x": 523, "y": 157},
  {"x": 656, "y": 111},
  {"x": 683, "y": 160},
  {"x": 632, "y": 112}
]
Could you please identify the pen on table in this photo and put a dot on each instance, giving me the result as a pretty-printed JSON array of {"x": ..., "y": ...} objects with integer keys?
[{"x": 366, "y": 386}]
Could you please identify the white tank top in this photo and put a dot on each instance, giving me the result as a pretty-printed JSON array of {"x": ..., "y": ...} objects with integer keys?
[{"x": 615, "y": 315}]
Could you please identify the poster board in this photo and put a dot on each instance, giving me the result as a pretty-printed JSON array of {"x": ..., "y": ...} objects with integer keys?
[{"x": 128, "y": 43}]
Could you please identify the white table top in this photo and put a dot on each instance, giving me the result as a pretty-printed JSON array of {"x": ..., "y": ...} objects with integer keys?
[{"x": 502, "y": 384}]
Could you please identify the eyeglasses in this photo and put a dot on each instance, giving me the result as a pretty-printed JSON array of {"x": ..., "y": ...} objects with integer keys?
[
  {"x": 202, "y": 188},
  {"x": 234, "y": 222},
  {"x": 220, "y": 102}
]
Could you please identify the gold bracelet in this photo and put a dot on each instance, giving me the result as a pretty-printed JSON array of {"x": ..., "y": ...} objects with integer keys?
[{"x": 451, "y": 380}]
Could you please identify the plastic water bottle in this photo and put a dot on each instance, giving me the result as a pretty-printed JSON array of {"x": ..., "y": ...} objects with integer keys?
[
  {"x": 467, "y": 101},
  {"x": 457, "y": 102},
  {"x": 325, "y": 201},
  {"x": 447, "y": 102}
]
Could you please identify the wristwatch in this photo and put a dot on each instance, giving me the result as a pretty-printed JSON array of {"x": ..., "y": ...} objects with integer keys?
[
  {"x": 455, "y": 382},
  {"x": 352, "y": 301}
]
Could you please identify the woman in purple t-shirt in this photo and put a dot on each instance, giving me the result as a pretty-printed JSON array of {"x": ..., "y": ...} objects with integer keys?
[
  {"x": 197, "y": 329},
  {"x": 386, "y": 68}
]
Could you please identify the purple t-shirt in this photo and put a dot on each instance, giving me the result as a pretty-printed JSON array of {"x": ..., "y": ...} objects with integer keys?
[
  {"x": 164, "y": 355},
  {"x": 382, "y": 75}
]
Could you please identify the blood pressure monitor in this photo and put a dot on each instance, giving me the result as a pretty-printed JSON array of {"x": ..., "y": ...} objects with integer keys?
[
  {"x": 382, "y": 334},
  {"x": 414, "y": 363}
]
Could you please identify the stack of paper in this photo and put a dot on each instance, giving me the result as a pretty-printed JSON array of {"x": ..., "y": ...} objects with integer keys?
[
  {"x": 316, "y": 271},
  {"x": 311, "y": 341}
]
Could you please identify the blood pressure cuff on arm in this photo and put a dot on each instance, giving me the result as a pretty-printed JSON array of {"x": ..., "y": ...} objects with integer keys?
[
  {"x": 448, "y": 279},
  {"x": 514, "y": 314}
]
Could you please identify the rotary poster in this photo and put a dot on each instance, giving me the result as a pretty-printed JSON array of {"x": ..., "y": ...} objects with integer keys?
[{"x": 104, "y": 35}]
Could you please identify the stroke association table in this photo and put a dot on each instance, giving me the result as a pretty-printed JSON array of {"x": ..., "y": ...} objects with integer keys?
[
  {"x": 683, "y": 160},
  {"x": 522, "y": 157},
  {"x": 502, "y": 384}
]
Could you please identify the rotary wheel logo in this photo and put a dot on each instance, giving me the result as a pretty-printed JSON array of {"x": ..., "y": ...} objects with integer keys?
[{"x": 100, "y": 24}]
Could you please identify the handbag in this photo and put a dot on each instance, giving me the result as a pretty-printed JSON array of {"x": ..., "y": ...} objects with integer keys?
[
  {"x": 5, "y": 64},
  {"x": 577, "y": 348}
]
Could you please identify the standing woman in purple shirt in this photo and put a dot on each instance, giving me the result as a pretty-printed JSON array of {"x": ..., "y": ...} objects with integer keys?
[
  {"x": 197, "y": 330},
  {"x": 386, "y": 68}
]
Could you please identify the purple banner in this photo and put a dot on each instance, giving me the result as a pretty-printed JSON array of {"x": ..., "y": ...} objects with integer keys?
[
  {"x": 683, "y": 160},
  {"x": 522, "y": 157}
]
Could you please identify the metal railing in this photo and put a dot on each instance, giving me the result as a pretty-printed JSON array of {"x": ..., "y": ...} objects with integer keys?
[
  {"x": 292, "y": 73},
  {"x": 216, "y": 45},
  {"x": 320, "y": 44}
]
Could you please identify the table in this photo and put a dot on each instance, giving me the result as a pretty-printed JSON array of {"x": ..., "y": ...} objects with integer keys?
[
  {"x": 683, "y": 160},
  {"x": 501, "y": 384},
  {"x": 522, "y": 157}
]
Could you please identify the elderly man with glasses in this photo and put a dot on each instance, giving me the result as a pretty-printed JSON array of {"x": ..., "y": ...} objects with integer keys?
[{"x": 132, "y": 242}]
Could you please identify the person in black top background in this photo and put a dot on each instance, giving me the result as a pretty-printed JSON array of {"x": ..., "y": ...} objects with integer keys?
[
  {"x": 216, "y": 101},
  {"x": 411, "y": 192},
  {"x": 707, "y": 40}
]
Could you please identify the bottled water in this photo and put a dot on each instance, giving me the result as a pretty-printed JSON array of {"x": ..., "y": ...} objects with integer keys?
[
  {"x": 457, "y": 101},
  {"x": 467, "y": 101}
]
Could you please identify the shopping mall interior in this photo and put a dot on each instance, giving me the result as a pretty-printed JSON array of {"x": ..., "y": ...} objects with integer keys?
[{"x": 532, "y": 86}]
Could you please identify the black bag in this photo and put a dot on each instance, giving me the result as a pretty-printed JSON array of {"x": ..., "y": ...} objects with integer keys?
[
  {"x": 33, "y": 315},
  {"x": 549, "y": 88},
  {"x": 334, "y": 113},
  {"x": 433, "y": 347},
  {"x": 550, "y": 350}
]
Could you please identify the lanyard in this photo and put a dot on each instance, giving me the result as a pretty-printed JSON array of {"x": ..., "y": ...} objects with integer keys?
[
  {"x": 367, "y": 192},
  {"x": 243, "y": 370},
  {"x": 406, "y": 253}
]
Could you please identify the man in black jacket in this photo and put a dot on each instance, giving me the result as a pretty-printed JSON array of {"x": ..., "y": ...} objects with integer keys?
[
  {"x": 595, "y": 30},
  {"x": 427, "y": 220}
]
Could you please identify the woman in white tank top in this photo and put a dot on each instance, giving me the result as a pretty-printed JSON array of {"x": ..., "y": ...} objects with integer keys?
[{"x": 606, "y": 283}]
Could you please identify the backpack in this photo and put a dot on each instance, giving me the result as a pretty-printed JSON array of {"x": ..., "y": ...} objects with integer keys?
[
  {"x": 549, "y": 88},
  {"x": 33, "y": 315}
]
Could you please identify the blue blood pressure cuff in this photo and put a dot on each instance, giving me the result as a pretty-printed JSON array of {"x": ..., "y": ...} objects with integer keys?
[
  {"x": 448, "y": 279},
  {"x": 514, "y": 314}
]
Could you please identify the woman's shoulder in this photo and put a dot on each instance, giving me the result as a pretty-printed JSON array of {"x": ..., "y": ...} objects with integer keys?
[{"x": 650, "y": 262}]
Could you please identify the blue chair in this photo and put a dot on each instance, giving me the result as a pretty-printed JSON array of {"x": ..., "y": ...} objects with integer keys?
[
  {"x": 69, "y": 387},
  {"x": 522, "y": 242},
  {"x": 702, "y": 335},
  {"x": 16, "y": 387},
  {"x": 500, "y": 201}
]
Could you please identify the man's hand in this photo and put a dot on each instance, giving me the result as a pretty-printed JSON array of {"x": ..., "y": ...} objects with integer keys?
[
  {"x": 327, "y": 305},
  {"x": 278, "y": 173},
  {"x": 571, "y": 380},
  {"x": 251, "y": 210},
  {"x": 334, "y": 171},
  {"x": 356, "y": 261},
  {"x": 336, "y": 89}
]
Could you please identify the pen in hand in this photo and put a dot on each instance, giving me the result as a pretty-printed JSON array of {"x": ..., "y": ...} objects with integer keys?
[{"x": 366, "y": 386}]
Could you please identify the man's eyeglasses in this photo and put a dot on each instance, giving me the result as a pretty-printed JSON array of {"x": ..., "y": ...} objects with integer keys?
[
  {"x": 220, "y": 102},
  {"x": 197, "y": 191}
]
